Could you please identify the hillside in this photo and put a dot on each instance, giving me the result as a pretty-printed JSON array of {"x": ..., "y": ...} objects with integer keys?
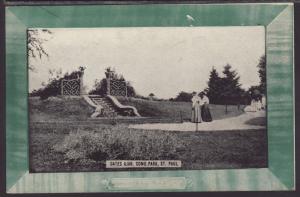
[
  {"x": 55, "y": 108},
  {"x": 76, "y": 108}
]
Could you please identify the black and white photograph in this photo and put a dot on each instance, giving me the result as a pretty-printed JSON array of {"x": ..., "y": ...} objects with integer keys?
[{"x": 147, "y": 98}]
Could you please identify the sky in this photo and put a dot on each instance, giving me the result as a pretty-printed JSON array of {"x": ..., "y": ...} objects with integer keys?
[{"x": 159, "y": 60}]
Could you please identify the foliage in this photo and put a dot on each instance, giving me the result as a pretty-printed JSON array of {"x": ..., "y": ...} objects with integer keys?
[
  {"x": 114, "y": 143},
  {"x": 183, "y": 96},
  {"x": 214, "y": 86},
  {"x": 231, "y": 88},
  {"x": 35, "y": 44},
  {"x": 100, "y": 86},
  {"x": 53, "y": 86},
  {"x": 130, "y": 90},
  {"x": 262, "y": 74},
  {"x": 225, "y": 90},
  {"x": 254, "y": 92}
]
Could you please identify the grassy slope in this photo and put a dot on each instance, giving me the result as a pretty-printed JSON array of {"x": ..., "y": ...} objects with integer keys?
[
  {"x": 77, "y": 109},
  {"x": 173, "y": 110},
  {"x": 59, "y": 109}
]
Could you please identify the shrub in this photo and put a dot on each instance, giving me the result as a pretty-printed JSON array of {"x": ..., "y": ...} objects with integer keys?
[
  {"x": 53, "y": 86},
  {"x": 100, "y": 86},
  {"x": 109, "y": 144},
  {"x": 183, "y": 96}
]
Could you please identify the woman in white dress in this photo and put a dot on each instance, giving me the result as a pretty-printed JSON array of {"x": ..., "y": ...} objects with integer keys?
[{"x": 196, "y": 108}]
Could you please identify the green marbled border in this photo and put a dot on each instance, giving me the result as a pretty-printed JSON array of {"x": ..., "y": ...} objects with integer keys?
[{"x": 278, "y": 20}]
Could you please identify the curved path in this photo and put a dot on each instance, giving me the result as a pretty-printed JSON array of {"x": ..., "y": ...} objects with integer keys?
[{"x": 234, "y": 123}]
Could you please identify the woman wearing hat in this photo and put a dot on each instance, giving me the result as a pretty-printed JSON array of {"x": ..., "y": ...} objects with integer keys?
[
  {"x": 205, "y": 112},
  {"x": 196, "y": 109}
]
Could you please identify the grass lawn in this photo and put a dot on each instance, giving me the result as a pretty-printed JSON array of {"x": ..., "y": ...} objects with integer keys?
[
  {"x": 176, "y": 110},
  {"x": 196, "y": 150},
  {"x": 258, "y": 121}
]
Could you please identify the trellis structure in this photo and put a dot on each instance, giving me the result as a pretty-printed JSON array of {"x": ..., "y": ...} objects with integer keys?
[
  {"x": 117, "y": 88},
  {"x": 71, "y": 87}
]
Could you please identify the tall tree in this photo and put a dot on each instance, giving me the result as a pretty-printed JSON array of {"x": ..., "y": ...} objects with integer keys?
[
  {"x": 214, "y": 87},
  {"x": 262, "y": 74},
  {"x": 183, "y": 96},
  {"x": 232, "y": 91}
]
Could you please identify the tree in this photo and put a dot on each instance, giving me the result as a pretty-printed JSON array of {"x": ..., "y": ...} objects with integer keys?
[
  {"x": 183, "y": 96},
  {"x": 262, "y": 74},
  {"x": 151, "y": 96},
  {"x": 213, "y": 90},
  {"x": 254, "y": 92},
  {"x": 35, "y": 44},
  {"x": 53, "y": 86},
  {"x": 130, "y": 90},
  {"x": 100, "y": 87},
  {"x": 231, "y": 88}
]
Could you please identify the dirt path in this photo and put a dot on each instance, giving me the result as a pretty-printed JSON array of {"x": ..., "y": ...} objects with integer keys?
[{"x": 233, "y": 123}]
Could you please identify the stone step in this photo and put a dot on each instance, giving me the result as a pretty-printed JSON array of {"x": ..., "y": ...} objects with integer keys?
[
  {"x": 108, "y": 107},
  {"x": 104, "y": 104}
]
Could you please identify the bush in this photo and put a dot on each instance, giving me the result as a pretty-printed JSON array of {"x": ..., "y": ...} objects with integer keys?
[
  {"x": 53, "y": 87},
  {"x": 116, "y": 144},
  {"x": 184, "y": 97},
  {"x": 100, "y": 86}
]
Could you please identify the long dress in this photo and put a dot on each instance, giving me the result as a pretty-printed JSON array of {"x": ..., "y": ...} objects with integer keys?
[
  {"x": 205, "y": 112},
  {"x": 196, "y": 110}
]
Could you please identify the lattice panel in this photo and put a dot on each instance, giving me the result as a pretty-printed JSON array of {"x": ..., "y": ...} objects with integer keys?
[
  {"x": 118, "y": 88},
  {"x": 71, "y": 87}
]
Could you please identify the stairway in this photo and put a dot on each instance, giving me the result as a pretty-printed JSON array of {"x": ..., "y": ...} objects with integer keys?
[{"x": 109, "y": 110}]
